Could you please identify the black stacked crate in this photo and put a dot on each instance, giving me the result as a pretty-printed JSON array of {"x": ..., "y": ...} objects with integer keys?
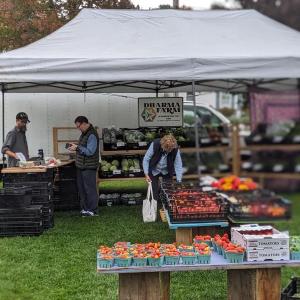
[
  {"x": 17, "y": 215},
  {"x": 65, "y": 193},
  {"x": 41, "y": 186}
]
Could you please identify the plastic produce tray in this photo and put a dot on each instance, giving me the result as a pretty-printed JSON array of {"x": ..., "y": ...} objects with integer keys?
[{"x": 259, "y": 206}]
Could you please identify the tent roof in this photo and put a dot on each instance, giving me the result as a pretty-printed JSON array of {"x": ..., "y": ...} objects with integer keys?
[{"x": 133, "y": 50}]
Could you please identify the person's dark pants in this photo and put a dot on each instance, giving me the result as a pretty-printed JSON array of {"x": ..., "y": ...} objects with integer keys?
[
  {"x": 156, "y": 186},
  {"x": 87, "y": 189}
]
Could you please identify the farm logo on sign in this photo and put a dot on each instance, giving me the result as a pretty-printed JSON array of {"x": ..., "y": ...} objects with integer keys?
[{"x": 149, "y": 114}]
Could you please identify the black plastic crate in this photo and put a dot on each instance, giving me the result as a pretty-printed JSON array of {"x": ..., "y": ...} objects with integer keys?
[
  {"x": 258, "y": 205},
  {"x": 132, "y": 199},
  {"x": 292, "y": 291},
  {"x": 109, "y": 199},
  {"x": 178, "y": 206},
  {"x": 66, "y": 206},
  {"x": 38, "y": 188},
  {"x": 28, "y": 177},
  {"x": 41, "y": 199},
  {"x": 62, "y": 187},
  {"x": 48, "y": 222},
  {"x": 15, "y": 197},
  {"x": 21, "y": 221},
  {"x": 32, "y": 213},
  {"x": 20, "y": 228},
  {"x": 67, "y": 172}
]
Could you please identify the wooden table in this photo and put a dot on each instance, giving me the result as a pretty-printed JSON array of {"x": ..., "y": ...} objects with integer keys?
[
  {"x": 245, "y": 281},
  {"x": 37, "y": 169},
  {"x": 185, "y": 232}
]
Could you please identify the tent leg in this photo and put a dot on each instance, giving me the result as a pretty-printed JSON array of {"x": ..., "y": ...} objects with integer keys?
[
  {"x": 196, "y": 130},
  {"x": 3, "y": 131}
]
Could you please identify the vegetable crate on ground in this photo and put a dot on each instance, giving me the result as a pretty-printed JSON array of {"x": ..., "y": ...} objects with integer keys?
[
  {"x": 292, "y": 291},
  {"x": 21, "y": 221}
]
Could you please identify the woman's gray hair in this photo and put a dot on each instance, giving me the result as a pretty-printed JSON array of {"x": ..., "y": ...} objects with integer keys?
[{"x": 168, "y": 142}]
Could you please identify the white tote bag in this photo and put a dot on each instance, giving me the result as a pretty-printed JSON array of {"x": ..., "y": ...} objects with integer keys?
[{"x": 149, "y": 206}]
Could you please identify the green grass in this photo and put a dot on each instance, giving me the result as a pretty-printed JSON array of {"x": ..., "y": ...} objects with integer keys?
[
  {"x": 123, "y": 186},
  {"x": 61, "y": 264}
]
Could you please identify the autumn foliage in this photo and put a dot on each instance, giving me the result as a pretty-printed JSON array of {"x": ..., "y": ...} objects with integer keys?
[{"x": 25, "y": 21}]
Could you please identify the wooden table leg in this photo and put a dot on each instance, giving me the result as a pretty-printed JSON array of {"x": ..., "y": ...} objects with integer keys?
[
  {"x": 184, "y": 236},
  {"x": 256, "y": 284},
  {"x": 211, "y": 230},
  {"x": 144, "y": 286}
]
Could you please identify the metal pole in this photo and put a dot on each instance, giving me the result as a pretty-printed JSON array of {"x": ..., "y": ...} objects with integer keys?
[
  {"x": 3, "y": 91},
  {"x": 3, "y": 131},
  {"x": 196, "y": 130}
]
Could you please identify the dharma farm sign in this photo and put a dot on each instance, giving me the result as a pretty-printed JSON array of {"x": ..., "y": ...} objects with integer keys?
[{"x": 167, "y": 112}]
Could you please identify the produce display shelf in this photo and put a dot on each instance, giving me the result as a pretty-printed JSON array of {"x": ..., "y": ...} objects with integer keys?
[
  {"x": 271, "y": 175},
  {"x": 193, "y": 225},
  {"x": 272, "y": 147},
  {"x": 182, "y": 150},
  {"x": 258, "y": 221},
  {"x": 190, "y": 176},
  {"x": 217, "y": 263}
]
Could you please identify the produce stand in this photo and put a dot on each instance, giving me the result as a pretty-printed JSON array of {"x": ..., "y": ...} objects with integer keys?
[
  {"x": 186, "y": 231},
  {"x": 247, "y": 280}
]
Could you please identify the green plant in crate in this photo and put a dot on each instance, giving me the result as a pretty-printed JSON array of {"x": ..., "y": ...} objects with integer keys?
[{"x": 295, "y": 247}]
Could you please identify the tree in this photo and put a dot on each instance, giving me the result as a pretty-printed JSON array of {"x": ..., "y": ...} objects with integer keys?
[
  {"x": 217, "y": 6},
  {"x": 286, "y": 12},
  {"x": 167, "y": 6},
  {"x": 23, "y": 22}
]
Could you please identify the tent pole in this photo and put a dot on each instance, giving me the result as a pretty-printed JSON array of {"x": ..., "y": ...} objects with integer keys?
[
  {"x": 3, "y": 132},
  {"x": 196, "y": 130},
  {"x": 3, "y": 91}
]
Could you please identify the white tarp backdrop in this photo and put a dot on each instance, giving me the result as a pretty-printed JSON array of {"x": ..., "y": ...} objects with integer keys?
[{"x": 140, "y": 50}]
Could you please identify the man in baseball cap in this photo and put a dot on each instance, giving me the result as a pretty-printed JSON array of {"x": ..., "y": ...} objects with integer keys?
[{"x": 16, "y": 141}]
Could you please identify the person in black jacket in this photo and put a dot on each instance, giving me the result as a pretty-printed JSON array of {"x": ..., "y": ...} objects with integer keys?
[
  {"x": 87, "y": 163},
  {"x": 162, "y": 159}
]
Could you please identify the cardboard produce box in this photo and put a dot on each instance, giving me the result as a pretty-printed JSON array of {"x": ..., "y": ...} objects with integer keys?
[{"x": 261, "y": 242}]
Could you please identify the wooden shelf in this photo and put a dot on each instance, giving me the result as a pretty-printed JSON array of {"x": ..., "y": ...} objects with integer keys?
[
  {"x": 182, "y": 150},
  {"x": 271, "y": 147},
  {"x": 190, "y": 176},
  {"x": 205, "y": 149},
  {"x": 123, "y": 152},
  {"x": 272, "y": 175},
  {"x": 121, "y": 179}
]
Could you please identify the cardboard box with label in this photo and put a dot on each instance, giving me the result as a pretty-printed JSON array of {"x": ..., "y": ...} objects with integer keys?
[{"x": 261, "y": 242}]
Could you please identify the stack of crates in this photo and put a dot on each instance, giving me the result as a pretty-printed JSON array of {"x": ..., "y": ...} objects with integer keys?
[
  {"x": 65, "y": 189},
  {"x": 41, "y": 185},
  {"x": 17, "y": 215}
]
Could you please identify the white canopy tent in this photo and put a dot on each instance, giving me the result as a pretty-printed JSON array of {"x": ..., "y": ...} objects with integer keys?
[
  {"x": 157, "y": 51},
  {"x": 102, "y": 51}
]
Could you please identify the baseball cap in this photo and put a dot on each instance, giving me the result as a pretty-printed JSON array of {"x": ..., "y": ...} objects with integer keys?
[{"x": 22, "y": 116}]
